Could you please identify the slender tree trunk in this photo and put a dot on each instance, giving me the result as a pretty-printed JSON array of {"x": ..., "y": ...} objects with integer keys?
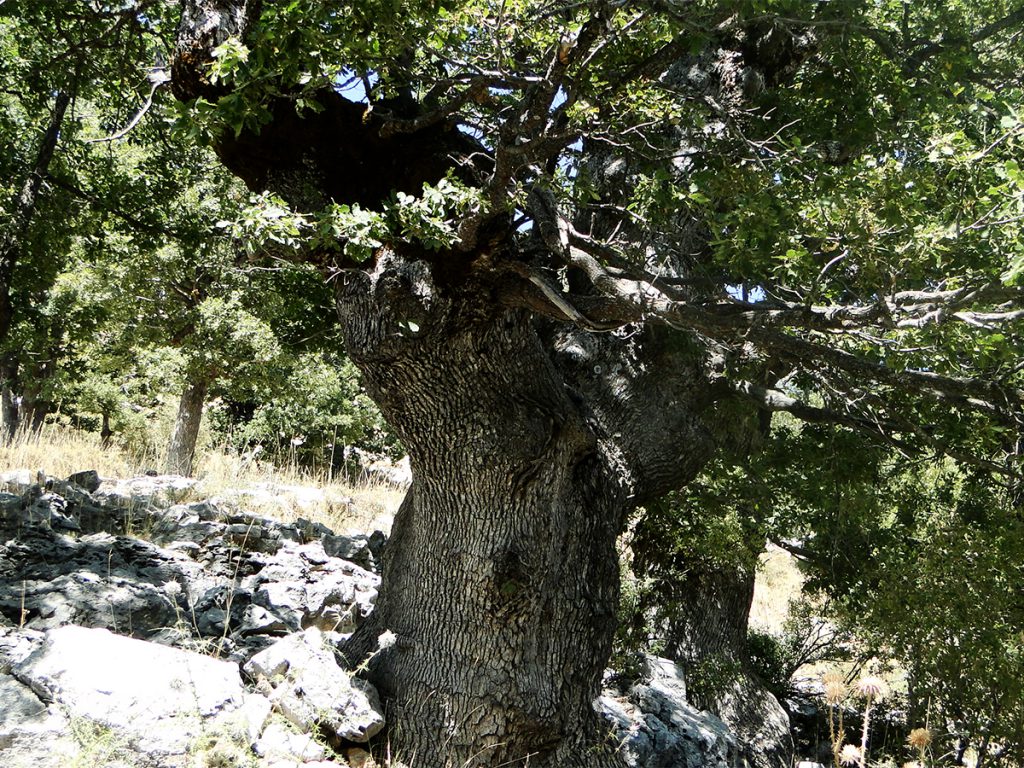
[
  {"x": 34, "y": 407},
  {"x": 182, "y": 449},
  {"x": 10, "y": 411},
  {"x": 106, "y": 432},
  {"x": 23, "y": 207},
  {"x": 35, "y": 417}
]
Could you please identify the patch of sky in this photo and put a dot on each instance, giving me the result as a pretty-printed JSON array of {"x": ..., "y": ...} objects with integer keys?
[
  {"x": 352, "y": 85},
  {"x": 751, "y": 294}
]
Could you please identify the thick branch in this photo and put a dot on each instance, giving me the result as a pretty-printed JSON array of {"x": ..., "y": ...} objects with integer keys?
[
  {"x": 626, "y": 300},
  {"x": 879, "y": 429}
]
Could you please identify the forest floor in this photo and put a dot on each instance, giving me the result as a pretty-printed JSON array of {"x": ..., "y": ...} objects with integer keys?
[{"x": 367, "y": 503}]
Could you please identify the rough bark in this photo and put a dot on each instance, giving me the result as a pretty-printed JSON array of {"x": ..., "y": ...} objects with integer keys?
[
  {"x": 500, "y": 580},
  {"x": 182, "y": 449}
]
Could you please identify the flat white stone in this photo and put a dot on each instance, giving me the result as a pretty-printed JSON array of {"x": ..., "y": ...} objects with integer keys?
[{"x": 156, "y": 696}]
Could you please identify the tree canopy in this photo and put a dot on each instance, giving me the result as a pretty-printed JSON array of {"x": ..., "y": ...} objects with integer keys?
[
  {"x": 840, "y": 181},
  {"x": 581, "y": 253},
  {"x": 711, "y": 212}
]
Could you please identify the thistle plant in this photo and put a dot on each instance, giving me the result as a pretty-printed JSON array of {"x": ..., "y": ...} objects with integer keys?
[
  {"x": 919, "y": 740},
  {"x": 835, "y": 694},
  {"x": 871, "y": 689}
]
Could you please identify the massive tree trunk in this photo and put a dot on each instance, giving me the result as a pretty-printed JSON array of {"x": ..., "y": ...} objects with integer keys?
[
  {"x": 182, "y": 450},
  {"x": 501, "y": 578},
  {"x": 531, "y": 440}
]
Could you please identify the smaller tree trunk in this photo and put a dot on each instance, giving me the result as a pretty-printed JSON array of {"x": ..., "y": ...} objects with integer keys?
[
  {"x": 10, "y": 411},
  {"x": 708, "y": 633},
  {"x": 23, "y": 208},
  {"x": 700, "y": 610},
  {"x": 34, "y": 406},
  {"x": 182, "y": 450},
  {"x": 37, "y": 416},
  {"x": 106, "y": 432}
]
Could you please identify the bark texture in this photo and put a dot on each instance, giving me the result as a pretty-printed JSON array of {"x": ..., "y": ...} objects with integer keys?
[
  {"x": 182, "y": 450},
  {"x": 711, "y": 631},
  {"x": 501, "y": 577}
]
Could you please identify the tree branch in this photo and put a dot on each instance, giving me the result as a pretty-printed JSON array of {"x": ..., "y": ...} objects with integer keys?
[{"x": 157, "y": 78}]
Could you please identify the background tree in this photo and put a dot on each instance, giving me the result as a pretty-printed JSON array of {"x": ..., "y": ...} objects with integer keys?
[{"x": 62, "y": 59}]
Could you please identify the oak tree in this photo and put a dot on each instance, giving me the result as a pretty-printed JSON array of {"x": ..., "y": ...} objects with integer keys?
[{"x": 580, "y": 249}]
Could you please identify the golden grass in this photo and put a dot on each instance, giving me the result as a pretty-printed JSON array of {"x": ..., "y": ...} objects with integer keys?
[
  {"x": 61, "y": 451},
  {"x": 289, "y": 492},
  {"x": 778, "y": 582},
  {"x": 284, "y": 493}
]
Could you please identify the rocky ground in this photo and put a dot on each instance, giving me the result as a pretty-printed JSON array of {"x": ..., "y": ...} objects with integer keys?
[{"x": 139, "y": 629}]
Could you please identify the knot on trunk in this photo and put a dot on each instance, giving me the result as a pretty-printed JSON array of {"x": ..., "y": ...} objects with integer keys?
[{"x": 511, "y": 582}]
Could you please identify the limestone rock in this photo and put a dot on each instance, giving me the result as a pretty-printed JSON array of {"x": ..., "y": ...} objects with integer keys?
[
  {"x": 312, "y": 690},
  {"x": 146, "y": 491},
  {"x": 279, "y": 743},
  {"x": 97, "y": 580},
  {"x": 156, "y": 699},
  {"x": 655, "y": 727},
  {"x": 306, "y": 587},
  {"x": 207, "y": 577},
  {"x": 759, "y": 722},
  {"x": 31, "y": 733}
]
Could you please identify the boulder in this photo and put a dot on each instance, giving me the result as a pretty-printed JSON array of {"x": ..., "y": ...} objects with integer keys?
[
  {"x": 97, "y": 581},
  {"x": 21, "y": 481},
  {"x": 158, "y": 700},
  {"x": 656, "y": 728},
  {"x": 306, "y": 587},
  {"x": 89, "y": 480},
  {"x": 312, "y": 690},
  {"x": 207, "y": 577},
  {"x": 31, "y": 733},
  {"x": 280, "y": 743},
  {"x": 206, "y": 574}
]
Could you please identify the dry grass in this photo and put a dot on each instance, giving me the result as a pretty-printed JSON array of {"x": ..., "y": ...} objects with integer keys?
[
  {"x": 61, "y": 451},
  {"x": 284, "y": 493},
  {"x": 290, "y": 492},
  {"x": 778, "y": 582}
]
